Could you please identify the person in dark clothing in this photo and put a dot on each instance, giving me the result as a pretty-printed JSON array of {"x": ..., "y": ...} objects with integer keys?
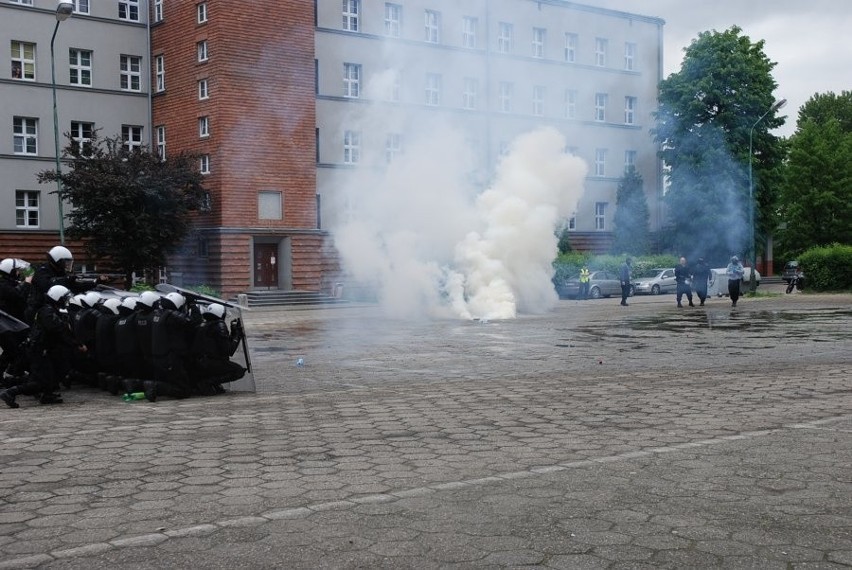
[
  {"x": 127, "y": 347},
  {"x": 682, "y": 279},
  {"x": 106, "y": 355},
  {"x": 143, "y": 322},
  {"x": 83, "y": 322},
  {"x": 170, "y": 337},
  {"x": 700, "y": 279},
  {"x": 50, "y": 345},
  {"x": 56, "y": 271},
  {"x": 212, "y": 348},
  {"x": 624, "y": 277},
  {"x": 14, "y": 292}
]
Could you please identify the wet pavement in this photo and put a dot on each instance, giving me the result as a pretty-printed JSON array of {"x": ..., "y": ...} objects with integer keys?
[{"x": 594, "y": 436}]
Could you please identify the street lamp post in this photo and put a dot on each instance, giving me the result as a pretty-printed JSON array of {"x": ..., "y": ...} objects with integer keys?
[
  {"x": 752, "y": 284},
  {"x": 63, "y": 12}
]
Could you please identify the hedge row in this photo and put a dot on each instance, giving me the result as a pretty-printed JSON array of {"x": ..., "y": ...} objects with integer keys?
[{"x": 827, "y": 268}]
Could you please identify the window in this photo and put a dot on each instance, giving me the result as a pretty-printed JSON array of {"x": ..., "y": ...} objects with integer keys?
[
  {"x": 433, "y": 26},
  {"x": 201, "y": 11},
  {"x": 204, "y": 164},
  {"x": 128, "y": 10},
  {"x": 433, "y": 89},
  {"x": 161, "y": 142},
  {"x": 158, "y": 10},
  {"x": 160, "y": 66},
  {"x": 570, "y": 103},
  {"x": 539, "y": 35},
  {"x": 81, "y": 6},
  {"x": 570, "y": 48},
  {"x": 601, "y": 45},
  {"x": 26, "y": 209},
  {"x": 600, "y": 162},
  {"x": 25, "y": 135},
  {"x": 572, "y": 223},
  {"x": 393, "y": 20},
  {"x": 131, "y": 136},
  {"x": 203, "y": 89},
  {"x": 629, "y": 56},
  {"x": 131, "y": 73},
  {"x": 351, "y": 80},
  {"x": 469, "y": 25},
  {"x": 269, "y": 205},
  {"x": 600, "y": 216},
  {"x": 393, "y": 146},
  {"x": 202, "y": 50},
  {"x": 504, "y": 37},
  {"x": 80, "y": 67},
  {"x": 23, "y": 60},
  {"x": 351, "y": 10},
  {"x": 203, "y": 126},
  {"x": 538, "y": 100},
  {"x": 629, "y": 110},
  {"x": 600, "y": 106},
  {"x": 351, "y": 147},
  {"x": 24, "y": 2},
  {"x": 504, "y": 97},
  {"x": 470, "y": 93},
  {"x": 81, "y": 134},
  {"x": 629, "y": 160}
]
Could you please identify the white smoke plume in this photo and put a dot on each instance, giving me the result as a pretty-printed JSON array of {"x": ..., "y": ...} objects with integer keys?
[{"x": 432, "y": 246}]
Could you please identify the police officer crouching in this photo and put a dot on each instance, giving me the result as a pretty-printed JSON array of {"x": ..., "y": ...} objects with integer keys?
[{"x": 212, "y": 347}]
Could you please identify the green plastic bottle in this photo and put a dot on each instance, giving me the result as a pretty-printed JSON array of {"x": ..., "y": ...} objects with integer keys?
[{"x": 130, "y": 397}]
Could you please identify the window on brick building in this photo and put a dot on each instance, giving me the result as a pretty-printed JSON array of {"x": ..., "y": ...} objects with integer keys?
[
  {"x": 158, "y": 10},
  {"x": 351, "y": 13},
  {"x": 202, "y": 50},
  {"x": 26, "y": 209},
  {"x": 128, "y": 10},
  {"x": 204, "y": 164},
  {"x": 351, "y": 80},
  {"x": 203, "y": 89},
  {"x": 131, "y": 72},
  {"x": 161, "y": 142},
  {"x": 201, "y": 12},
  {"x": 131, "y": 137},
  {"x": 204, "y": 126},
  {"x": 25, "y": 135},
  {"x": 23, "y": 60},
  {"x": 351, "y": 147},
  {"x": 269, "y": 205},
  {"x": 160, "y": 71}
]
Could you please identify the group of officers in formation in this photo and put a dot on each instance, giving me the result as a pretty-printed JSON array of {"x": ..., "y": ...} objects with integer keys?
[{"x": 159, "y": 345}]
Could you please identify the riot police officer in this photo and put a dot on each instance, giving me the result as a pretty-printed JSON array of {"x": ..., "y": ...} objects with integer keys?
[
  {"x": 170, "y": 337},
  {"x": 212, "y": 347},
  {"x": 56, "y": 271},
  {"x": 13, "y": 301}
]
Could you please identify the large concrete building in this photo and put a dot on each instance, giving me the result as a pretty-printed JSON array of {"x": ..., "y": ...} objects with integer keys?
[{"x": 270, "y": 100}]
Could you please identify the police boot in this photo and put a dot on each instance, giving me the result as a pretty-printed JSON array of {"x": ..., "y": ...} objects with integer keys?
[
  {"x": 132, "y": 385},
  {"x": 50, "y": 398},
  {"x": 150, "y": 388},
  {"x": 8, "y": 396}
]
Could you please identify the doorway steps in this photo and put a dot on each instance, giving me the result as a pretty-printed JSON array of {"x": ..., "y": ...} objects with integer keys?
[{"x": 277, "y": 297}]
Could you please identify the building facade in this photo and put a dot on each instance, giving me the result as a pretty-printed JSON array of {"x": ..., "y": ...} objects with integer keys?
[{"x": 273, "y": 101}]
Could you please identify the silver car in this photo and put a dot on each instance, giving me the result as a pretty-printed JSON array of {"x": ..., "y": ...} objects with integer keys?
[{"x": 656, "y": 281}]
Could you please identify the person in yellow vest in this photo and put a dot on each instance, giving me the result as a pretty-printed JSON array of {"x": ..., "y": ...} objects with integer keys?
[{"x": 584, "y": 283}]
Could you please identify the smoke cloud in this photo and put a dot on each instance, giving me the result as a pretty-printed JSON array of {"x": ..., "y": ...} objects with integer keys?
[{"x": 433, "y": 243}]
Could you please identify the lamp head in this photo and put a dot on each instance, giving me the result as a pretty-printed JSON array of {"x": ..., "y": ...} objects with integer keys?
[
  {"x": 779, "y": 104},
  {"x": 64, "y": 10}
]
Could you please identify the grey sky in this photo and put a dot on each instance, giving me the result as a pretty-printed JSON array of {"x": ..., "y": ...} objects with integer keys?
[{"x": 808, "y": 39}]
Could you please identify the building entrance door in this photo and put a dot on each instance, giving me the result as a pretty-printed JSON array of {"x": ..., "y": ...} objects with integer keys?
[{"x": 266, "y": 265}]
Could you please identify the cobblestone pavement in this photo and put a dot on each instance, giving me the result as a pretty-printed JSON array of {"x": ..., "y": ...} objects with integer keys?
[{"x": 594, "y": 436}]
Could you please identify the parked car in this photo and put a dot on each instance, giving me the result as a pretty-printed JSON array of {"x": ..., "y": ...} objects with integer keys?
[
  {"x": 656, "y": 281},
  {"x": 791, "y": 268},
  {"x": 601, "y": 284}
]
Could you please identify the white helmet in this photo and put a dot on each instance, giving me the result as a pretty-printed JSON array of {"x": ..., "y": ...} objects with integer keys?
[
  {"x": 60, "y": 253},
  {"x": 76, "y": 300},
  {"x": 176, "y": 299},
  {"x": 7, "y": 266},
  {"x": 216, "y": 309},
  {"x": 129, "y": 303},
  {"x": 58, "y": 293},
  {"x": 91, "y": 299},
  {"x": 112, "y": 304},
  {"x": 148, "y": 298}
]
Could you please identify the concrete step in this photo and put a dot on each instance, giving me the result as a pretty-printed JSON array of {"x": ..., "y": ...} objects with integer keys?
[{"x": 272, "y": 298}]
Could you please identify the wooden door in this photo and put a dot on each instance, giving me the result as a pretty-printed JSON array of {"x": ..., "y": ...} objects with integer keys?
[{"x": 266, "y": 265}]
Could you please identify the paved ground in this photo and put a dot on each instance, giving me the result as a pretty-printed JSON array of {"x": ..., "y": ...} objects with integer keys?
[{"x": 594, "y": 436}]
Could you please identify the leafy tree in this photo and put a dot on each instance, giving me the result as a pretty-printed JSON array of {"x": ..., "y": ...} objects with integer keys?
[
  {"x": 130, "y": 206},
  {"x": 823, "y": 107},
  {"x": 706, "y": 112},
  {"x": 816, "y": 200},
  {"x": 631, "y": 216}
]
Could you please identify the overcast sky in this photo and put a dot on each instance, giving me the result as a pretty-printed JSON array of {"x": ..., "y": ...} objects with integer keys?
[{"x": 808, "y": 39}]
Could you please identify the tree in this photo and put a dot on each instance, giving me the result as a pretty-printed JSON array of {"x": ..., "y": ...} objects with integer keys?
[
  {"x": 129, "y": 206},
  {"x": 816, "y": 200},
  {"x": 823, "y": 107},
  {"x": 706, "y": 112},
  {"x": 631, "y": 215}
]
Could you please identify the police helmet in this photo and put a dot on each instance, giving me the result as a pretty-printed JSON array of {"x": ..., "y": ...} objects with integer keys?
[
  {"x": 216, "y": 309},
  {"x": 176, "y": 299},
  {"x": 91, "y": 299},
  {"x": 59, "y": 294},
  {"x": 129, "y": 303},
  {"x": 60, "y": 256},
  {"x": 112, "y": 304},
  {"x": 148, "y": 298},
  {"x": 76, "y": 300},
  {"x": 7, "y": 266}
]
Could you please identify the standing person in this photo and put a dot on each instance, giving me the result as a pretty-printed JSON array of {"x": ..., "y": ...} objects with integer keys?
[
  {"x": 13, "y": 301},
  {"x": 682, "y": 278},
  {"x": 624, "y": 277},
  {"x": 700, "y": 278},
  {"x": 56, "y": 271},
  {"x": 584, "y": 283},
  {"x": 735, "y": 272}
]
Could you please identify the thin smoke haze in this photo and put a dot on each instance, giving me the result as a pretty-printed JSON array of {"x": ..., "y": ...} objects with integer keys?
[{"x": 433, "y": 244}]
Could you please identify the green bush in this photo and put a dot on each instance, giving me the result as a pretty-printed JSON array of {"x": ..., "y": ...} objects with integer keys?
[
  {"x": 568, "y": 265},
  {"x": 827, "y": 268},
  {"x": 205, "y": 290}
]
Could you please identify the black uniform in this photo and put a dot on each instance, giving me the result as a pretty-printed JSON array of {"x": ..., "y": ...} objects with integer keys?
[
  {"x": 13, "y": 301},
  {"x": 170, "y": 337},
  {"x": 212, "y": 347},
  {"x": 127, "y": 352},
  {"x": 683, "y": 287},
  {"x": 700, "y": 278},
  {"x": 46, "y": 276}
]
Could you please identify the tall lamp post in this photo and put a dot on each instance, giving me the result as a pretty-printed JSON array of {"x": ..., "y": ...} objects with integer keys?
[
  {"x": 752, "y": 284},
  {"x": 63, "y": 12}
]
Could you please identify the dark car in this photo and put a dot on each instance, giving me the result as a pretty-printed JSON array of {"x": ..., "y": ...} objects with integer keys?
[
  {"x": 601, "y": 284},
  {"x": 791, "y": 268}
]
